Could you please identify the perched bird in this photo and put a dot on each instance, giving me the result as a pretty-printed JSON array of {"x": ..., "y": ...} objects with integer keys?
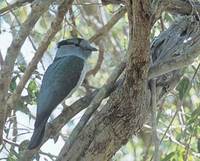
[{"x": 60, "y": 80}]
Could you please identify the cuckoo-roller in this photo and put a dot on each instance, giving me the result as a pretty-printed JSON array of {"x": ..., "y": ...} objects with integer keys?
[{"x": 60, "y": 80}]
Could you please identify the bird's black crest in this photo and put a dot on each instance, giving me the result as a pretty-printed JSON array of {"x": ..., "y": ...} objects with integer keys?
[{"x": 69, "y": 42}]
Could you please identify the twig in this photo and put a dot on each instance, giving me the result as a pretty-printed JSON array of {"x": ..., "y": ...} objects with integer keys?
[
  {"x": 104, "y": 30},
  {"x": 1, "y": 60},
  {"x": 172, "y": 120},
  {"x": 72, "y": 17},
  {"x": 162, "y": 23},
  {"x": 179, "y": 104},
  {"x": 173, "y": 140},
  {"x": 9, "y": 7},
  {"x": 10, "y": 142},
  {"x": 187, "y": 147},
  {"x": 99, "y": 61},
  {"x": 154, "y": 122},
  {"x": 15, "y": 131},
  {"x": 30, "y": 39},
  {"x": 53, "y": 157}
]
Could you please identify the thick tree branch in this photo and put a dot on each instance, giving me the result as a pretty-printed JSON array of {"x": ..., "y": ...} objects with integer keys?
[
  {"x": 121, "y": 117},
  {"x": 153, "y": 106}
]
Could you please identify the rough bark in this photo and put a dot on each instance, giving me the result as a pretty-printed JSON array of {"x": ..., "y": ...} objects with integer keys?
[{"x": 125, "y": 111}]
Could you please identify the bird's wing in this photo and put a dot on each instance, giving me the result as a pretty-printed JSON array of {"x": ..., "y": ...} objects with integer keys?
[{"x": 58, "y": 81}]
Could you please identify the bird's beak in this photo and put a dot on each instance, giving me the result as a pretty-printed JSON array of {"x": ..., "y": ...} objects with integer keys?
[{"x": 93, "y": 49}]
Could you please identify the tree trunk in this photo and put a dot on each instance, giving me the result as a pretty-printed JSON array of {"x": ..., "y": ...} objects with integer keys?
[{"x": 125, "y": 111}]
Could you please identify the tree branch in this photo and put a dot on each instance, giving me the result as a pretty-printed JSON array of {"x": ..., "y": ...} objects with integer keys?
[
  {"x": 106, "y": 28},
  {"x": 16, "y": 4},
  {"x": 99, "y": 61},
  {"x": 121, "y": 116}
]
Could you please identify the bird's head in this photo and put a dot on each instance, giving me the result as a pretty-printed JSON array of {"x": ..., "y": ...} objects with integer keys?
[{"x": 75, "y": 46}]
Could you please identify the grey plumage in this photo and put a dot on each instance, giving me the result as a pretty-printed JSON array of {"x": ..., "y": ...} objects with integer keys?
[{"x": 61, "y": 79}]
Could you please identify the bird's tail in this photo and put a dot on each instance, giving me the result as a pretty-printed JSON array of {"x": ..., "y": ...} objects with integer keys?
[{"x": 38, "y": 135}]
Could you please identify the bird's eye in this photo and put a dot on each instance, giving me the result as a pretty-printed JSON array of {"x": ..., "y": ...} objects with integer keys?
[{"x": 77, "y": 45}]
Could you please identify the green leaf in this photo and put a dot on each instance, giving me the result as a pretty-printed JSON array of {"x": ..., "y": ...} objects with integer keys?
[
  {"x": 169, "y": 156},
  {"x": 32, "y": 91},
  {"x": 43, "y": 23},
  {"x": 22, "y": 68},
  {"x": 32, "y": 87},
  {"x": 183, "y": 87},
  {"x": 13, "y": 83},
  {"x": 194, "y": 116},
  {"x": 11, "y": 158}
]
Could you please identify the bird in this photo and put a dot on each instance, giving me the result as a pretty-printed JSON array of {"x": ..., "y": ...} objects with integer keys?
[{"x": 60, "y": 80}]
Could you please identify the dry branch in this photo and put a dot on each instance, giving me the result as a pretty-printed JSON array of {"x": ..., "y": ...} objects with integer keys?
[
  {"x": 99, "y": 61},
  {"x": 106, "y": 28},
  {"x": 14, "y": 5}
]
